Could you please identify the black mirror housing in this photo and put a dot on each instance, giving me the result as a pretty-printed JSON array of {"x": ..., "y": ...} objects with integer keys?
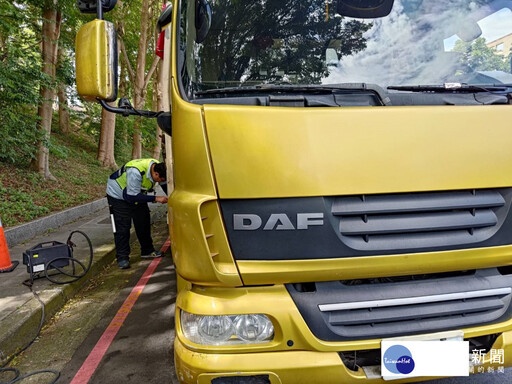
[
  {"x": 203, "y": 20},
  {"x": 165, "y": 18},
  {"x": 368, "y": 9},
  {"x": 91, "y": 6},
  {"x": 165, "y": 122}
]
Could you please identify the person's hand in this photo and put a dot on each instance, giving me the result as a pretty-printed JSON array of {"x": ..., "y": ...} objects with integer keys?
[{"x": 161, "y": 199}]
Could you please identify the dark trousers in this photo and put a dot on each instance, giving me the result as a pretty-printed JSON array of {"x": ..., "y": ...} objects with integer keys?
[{"x": 124, "y": 213}]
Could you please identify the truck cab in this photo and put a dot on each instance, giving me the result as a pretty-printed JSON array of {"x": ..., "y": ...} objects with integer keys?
[{"x": 342, "y": 176}]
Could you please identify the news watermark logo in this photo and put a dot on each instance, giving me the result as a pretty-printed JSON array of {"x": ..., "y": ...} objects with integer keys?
[
  {"x": 398, "y": 359},
  {"x": 494, "y": 359},
  {"x": 403, "y": 358}
]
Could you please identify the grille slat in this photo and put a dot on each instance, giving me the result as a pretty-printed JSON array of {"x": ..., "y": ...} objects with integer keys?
[
  {"x": 417, "y": 222},
  {"x": 390, "y": 314},
  {"x": 416, "y": 202},
  {"x": 415, "y": 240}
]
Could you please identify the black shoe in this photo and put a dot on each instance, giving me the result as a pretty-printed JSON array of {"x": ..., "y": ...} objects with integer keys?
[
  {"x": 124, "y": 264},
  {"x": 152, "y": 255}
]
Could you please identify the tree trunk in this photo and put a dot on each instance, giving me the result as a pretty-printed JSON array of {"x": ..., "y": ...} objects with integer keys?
[
  {"x": 122, "y": 93},
  {"x": 3, "y": 49},
  {"x": 166, "y": 103},
  {"x": 63, "y": 109},
  {"x": 63, "y": 100},
  {"x": 51, "y": 33},
  {"x": 158, "y": 106},
  {"x": 139, "y": 94},
  {"x": 107, "y": 136},
  {"x": 136, "y": 139}
]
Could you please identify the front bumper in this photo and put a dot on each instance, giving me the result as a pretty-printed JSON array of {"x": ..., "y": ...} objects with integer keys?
[
  {"x": 295, "y": 355},
  {"x": 290, "y": 366},
  {"x": 281, "y": 367}
]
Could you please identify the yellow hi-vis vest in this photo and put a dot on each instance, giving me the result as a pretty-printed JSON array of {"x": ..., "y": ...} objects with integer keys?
[{"x": 142, "y": 166}]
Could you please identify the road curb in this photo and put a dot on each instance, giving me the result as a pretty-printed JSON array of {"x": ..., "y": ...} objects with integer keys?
[{"x": 27, "y": 231}]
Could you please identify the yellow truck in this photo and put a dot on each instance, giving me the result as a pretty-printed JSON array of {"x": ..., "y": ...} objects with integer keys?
[{"x": 342, "y": 175}]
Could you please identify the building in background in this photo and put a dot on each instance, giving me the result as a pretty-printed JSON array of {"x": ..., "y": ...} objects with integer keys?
[{"x": 503, "y": 45}]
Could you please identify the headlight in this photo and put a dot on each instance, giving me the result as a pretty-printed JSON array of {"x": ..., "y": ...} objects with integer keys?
[
  {"x": 226, "y": 330},
  {"x": 215, "y": 328},
  {"x": 252, "y": 328}
]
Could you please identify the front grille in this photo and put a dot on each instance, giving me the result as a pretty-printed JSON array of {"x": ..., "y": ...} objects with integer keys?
[
  {"x": 335, "y": 311},
  {"x": 420, "y": 220},
  {"x": 381, "y": 317}
]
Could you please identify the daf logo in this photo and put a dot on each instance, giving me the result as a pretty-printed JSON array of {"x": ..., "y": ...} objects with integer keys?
[{"x": 276, "y": 221}]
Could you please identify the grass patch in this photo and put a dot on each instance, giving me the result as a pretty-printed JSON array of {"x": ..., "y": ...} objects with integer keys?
[
  {"x": 25, "y": 196},
  {"x": 17, "y": 206}
]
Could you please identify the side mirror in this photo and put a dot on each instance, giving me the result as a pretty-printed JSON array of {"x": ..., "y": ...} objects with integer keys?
[
  {"x": 165, "y": 18},
  {"x": 91, "y": 6},
  {"x": 331, "y": 57},
  {"x": 369, "y": 9},
  {"x": 469, "y": 31},
  {"x": 203, "y": 19},
  {"x": 96, "y": 61}
]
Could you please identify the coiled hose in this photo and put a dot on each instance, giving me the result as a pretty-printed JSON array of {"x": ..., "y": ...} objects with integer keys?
[{"x": 72, "y": 277}]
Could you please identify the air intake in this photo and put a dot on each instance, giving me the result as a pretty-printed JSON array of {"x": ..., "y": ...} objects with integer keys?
[{"x": 418, "y": 220}]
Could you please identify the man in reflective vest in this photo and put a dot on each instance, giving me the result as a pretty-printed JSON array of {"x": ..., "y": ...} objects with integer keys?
[{"x": 127, "y": 195}]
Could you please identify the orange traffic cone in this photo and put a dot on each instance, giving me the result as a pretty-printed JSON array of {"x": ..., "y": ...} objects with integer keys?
[{"x": 5, "y": 260}]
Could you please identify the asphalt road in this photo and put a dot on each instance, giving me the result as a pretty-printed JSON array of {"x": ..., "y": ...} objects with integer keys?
[{"x": 141, "y": 351}]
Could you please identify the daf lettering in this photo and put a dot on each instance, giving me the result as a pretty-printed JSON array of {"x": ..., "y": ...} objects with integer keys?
[
  {"x": 276, "y": 221},
  {"x": 246, "y": 222}
]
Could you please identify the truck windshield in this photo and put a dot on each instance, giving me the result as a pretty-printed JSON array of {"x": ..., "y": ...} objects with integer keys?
[{"x": 305, "y": 42}]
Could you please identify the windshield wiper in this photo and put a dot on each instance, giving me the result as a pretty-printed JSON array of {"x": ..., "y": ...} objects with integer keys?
[
  {"x": 262, "y": 88},
  {"x": 288, "y": 88},
  {"x": 453, "y": 88}
]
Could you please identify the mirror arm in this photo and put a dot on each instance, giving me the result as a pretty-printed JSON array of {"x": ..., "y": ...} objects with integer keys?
[
  {"x": 128, "y": 110},
  {"x": 99, "y": 9},
  {"x": 163, "y": 118}
]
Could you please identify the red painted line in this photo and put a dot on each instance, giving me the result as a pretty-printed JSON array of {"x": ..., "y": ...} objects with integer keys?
[
  {"x": 90, "y": 364},
  {"x": 166, "y": 245}
]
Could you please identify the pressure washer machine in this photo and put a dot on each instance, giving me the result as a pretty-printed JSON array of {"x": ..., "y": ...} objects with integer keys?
[{"x": 54, "y": 255}]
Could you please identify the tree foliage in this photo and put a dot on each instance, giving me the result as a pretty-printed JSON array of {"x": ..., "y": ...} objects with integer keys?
[
  {"x": 477, "y": 56},
  {"x": 22, "y": 76}
]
